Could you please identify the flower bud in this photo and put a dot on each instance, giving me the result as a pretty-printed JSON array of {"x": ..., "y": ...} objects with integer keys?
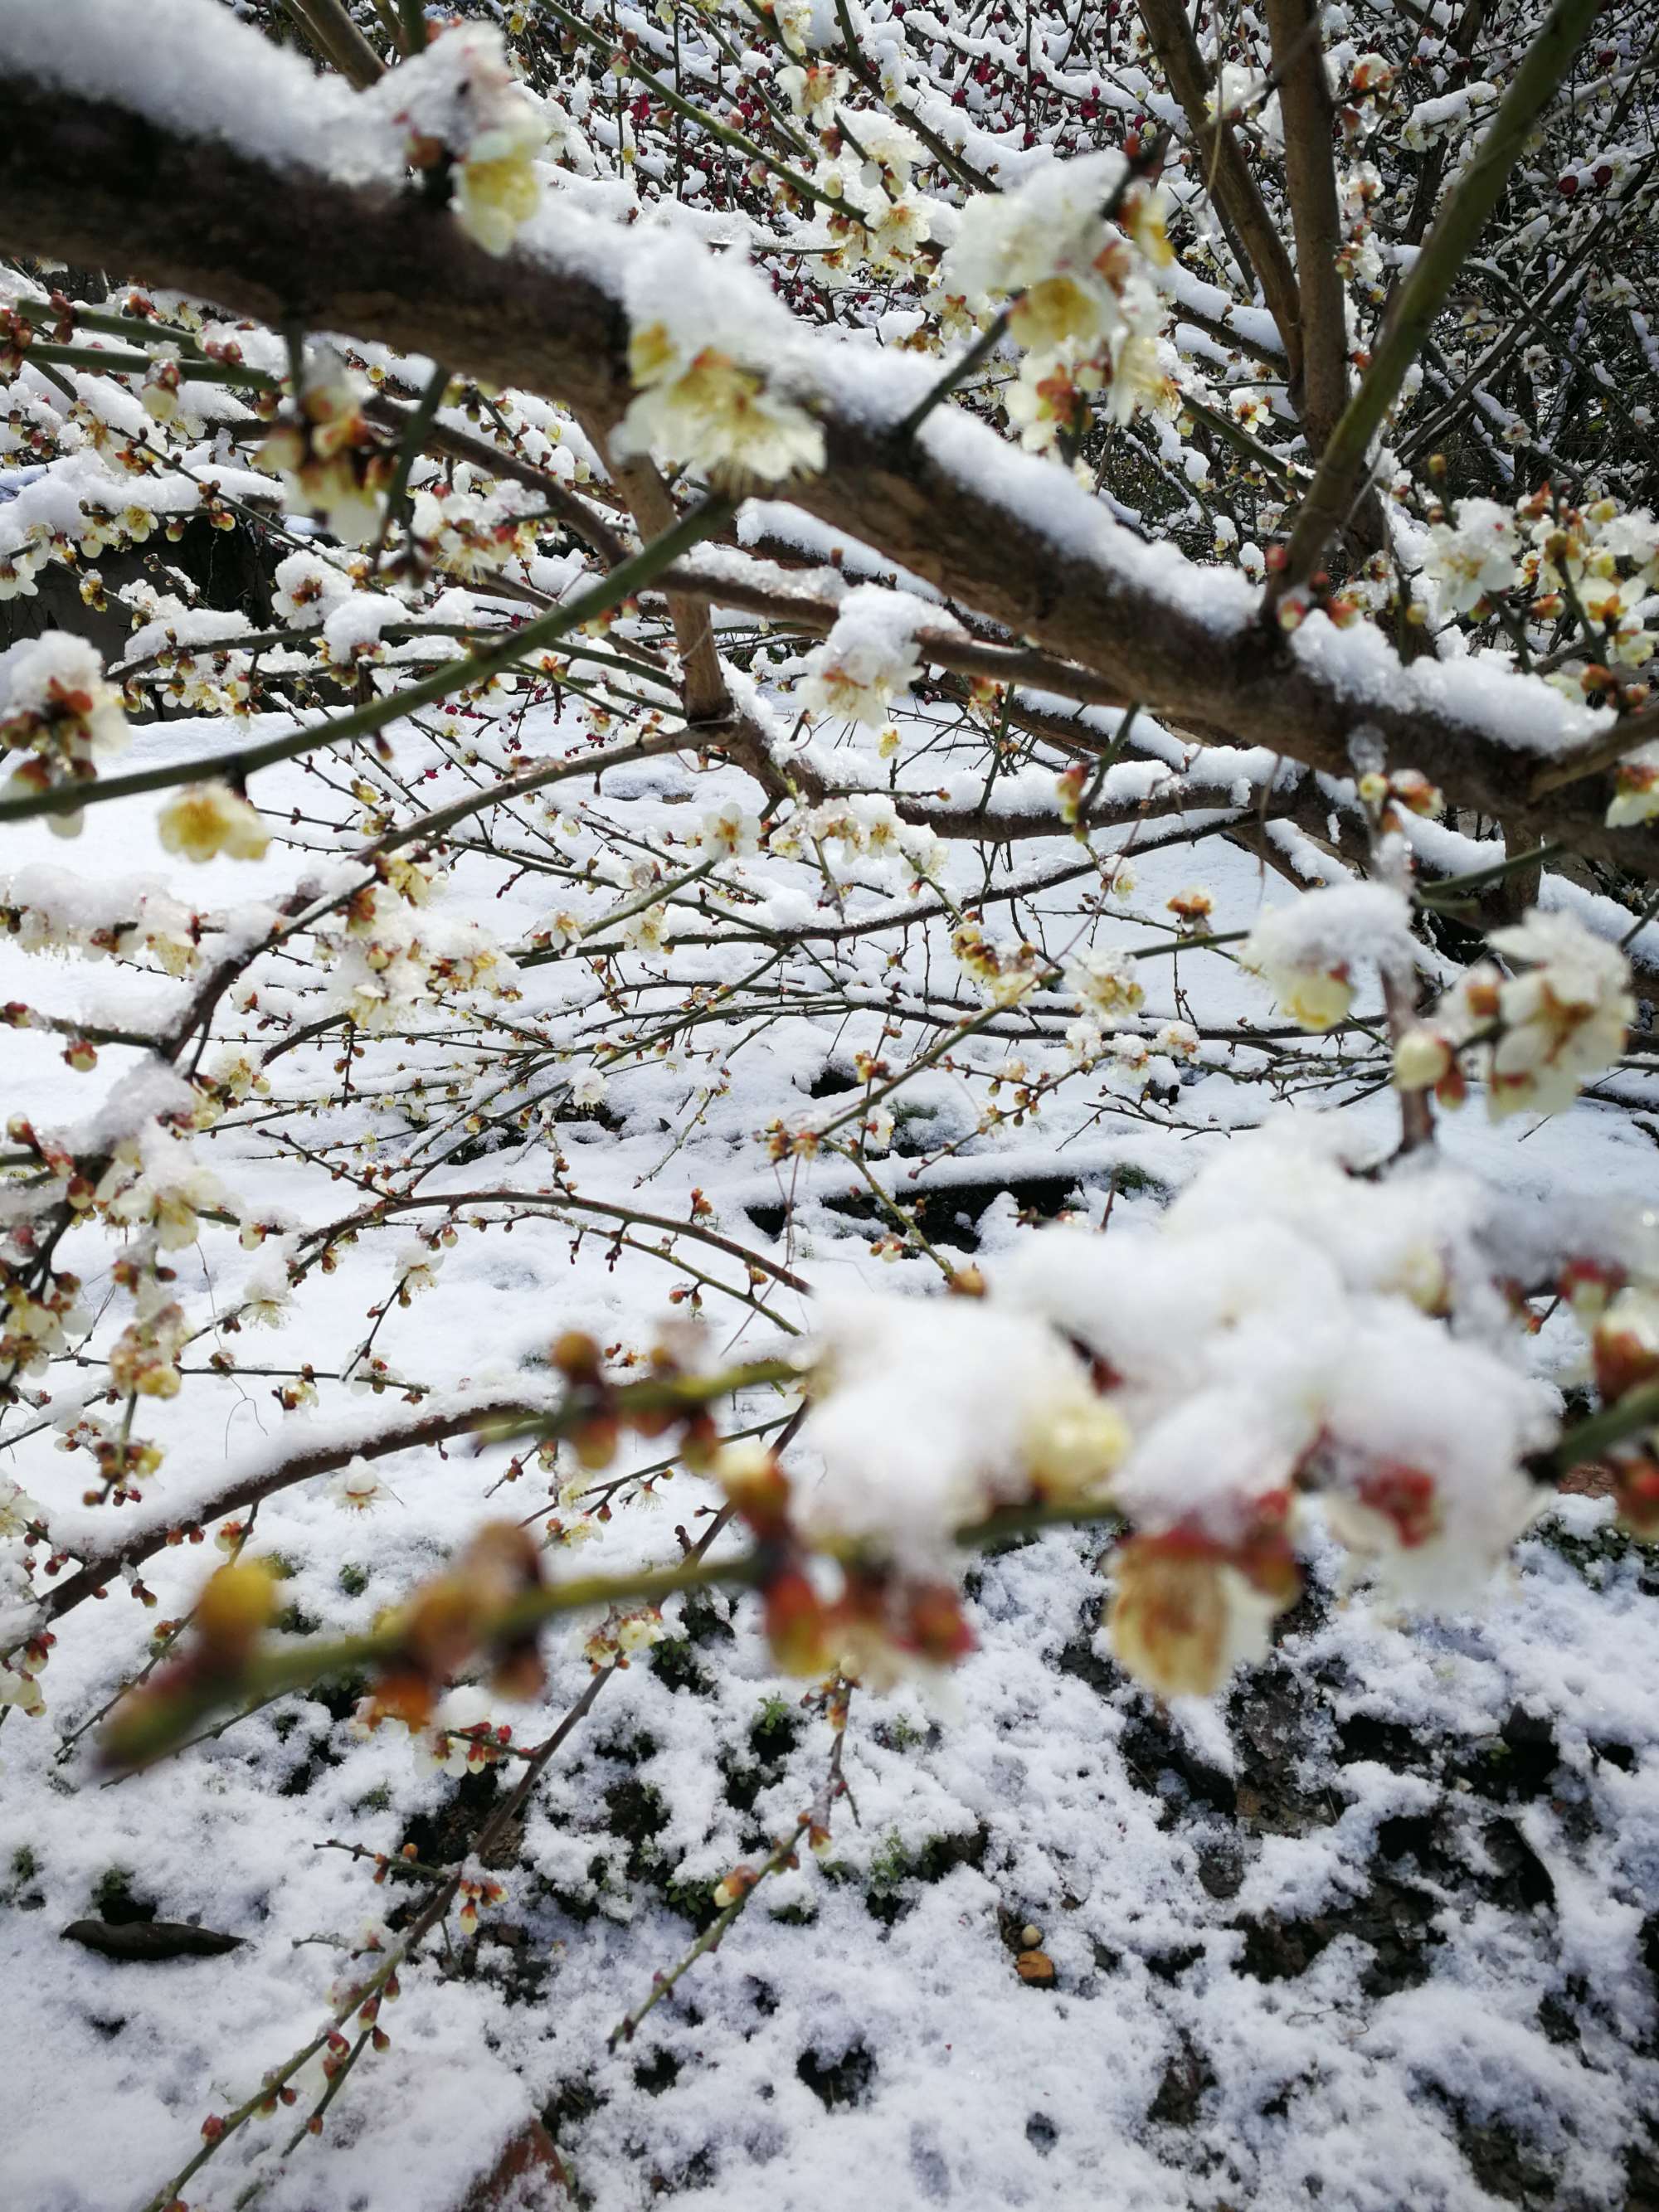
[
  {"x": 236, "y": 1606},
  {"x": 1421, "y": 1059}
]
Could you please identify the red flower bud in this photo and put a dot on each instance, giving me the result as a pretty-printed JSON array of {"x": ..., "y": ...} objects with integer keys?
[
  {"x": 934, "y": 1624},
  {"x": 796, "y": 1626},
  {"x": 1636, "y": 1489}
]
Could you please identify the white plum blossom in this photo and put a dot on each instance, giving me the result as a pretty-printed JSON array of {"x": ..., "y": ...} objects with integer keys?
[
  {"x": 794, "y": 20},
  {"x": 206, "y": 819},
  {"x": 1105, "y": 981},
  {"x": 459, "y": 100},
  {"x": 1008, "y": 241},
  {"x": 1307, "y": 952},
  {"x": 19, "y": 1687},
  {"x": 453, "y": 1742},
  {"x": 267, "y": 1298},
  {"x": 1004, "y": 973},
  {"x": 158, "y": 1183},
  {"x": 328, "y": 460},
  {"x": 1539, "y": 1035},
  {"x": 1636, "y": 789},
  {"x": 1478, "y": 555},
  {"x": 418, "y": 1265},
  {"x": 700, "y": 403},
  {"x": 307, "y": 590},
  {"x": 869, "y": 659},
  {"x": 813, "y": 90},
  {"x": 927, "y": 1416},
  {"x": 647, "y": 930},
  {"x": 729, "y": 832},
  {"x": 1182, "y": 1619},
  {"x": 1179, "y": 1039},
  {"x": 876, "y": 1130},
  {"x": 1564, "y": 1018},
  {"x": 17, "y": 1509},
  {"x": 59, "y": 714},
  {"x": 356, "y": 1488},
  {"x": 1084, "y": 291}
]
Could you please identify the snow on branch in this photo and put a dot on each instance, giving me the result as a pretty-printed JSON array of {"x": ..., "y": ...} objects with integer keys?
[{"x": 1004, "y": 533}]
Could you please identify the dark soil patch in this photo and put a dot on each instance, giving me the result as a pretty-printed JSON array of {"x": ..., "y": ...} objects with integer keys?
[{"x": 838, "y": 2082}]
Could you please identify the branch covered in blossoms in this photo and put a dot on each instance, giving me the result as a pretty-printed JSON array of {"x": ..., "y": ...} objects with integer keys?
[{"x": 91, "y": 176}]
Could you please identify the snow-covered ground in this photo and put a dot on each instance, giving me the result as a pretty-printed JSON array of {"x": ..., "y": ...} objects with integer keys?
[{"x": 1378, "y": 1929}]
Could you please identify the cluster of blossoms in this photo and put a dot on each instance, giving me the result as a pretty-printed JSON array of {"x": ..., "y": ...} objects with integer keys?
[
  {"x": 1360, "y": 258},
  {"x": 37, "y": 1318},
  {"x": 624, "y": 1631},
  {"x": 152, "y": 1184},
  {"x": 124, "y": 1463},
  {"x": 188, "y": 656},
  {"x": 1280, "y": 1336},
  {"x": 864, "y": 824},
  {"x": 867, "y": 168},
  {"x": 144, "y": 1361},
  {"x": 110, "y": 516},
  {"x": 1003, "y": 973},
  {"x": 48, "y": 911},
  {"x": 109, "y": 487},
  {"x": 1086, "y": 308},
  {"x": 155, "y": 1182},
  {"x": 331, "y": 462},
  {"x": 1132, "y": 1063},
  {"x": 1585, "y": 580},
  {"x": 1538, "y": 1036},
  {"x": 60, "y": 713},
  {"x": 1604, "y": 557},
  {"x": 386, "y": 959},
  {"x": 461, "y": 109},
  {"x": 699, "y": 403},
  {"x": 465, "y": 535}
]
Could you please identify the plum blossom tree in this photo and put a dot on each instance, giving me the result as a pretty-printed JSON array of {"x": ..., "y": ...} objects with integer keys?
[{"x": 641, "y": 585}]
